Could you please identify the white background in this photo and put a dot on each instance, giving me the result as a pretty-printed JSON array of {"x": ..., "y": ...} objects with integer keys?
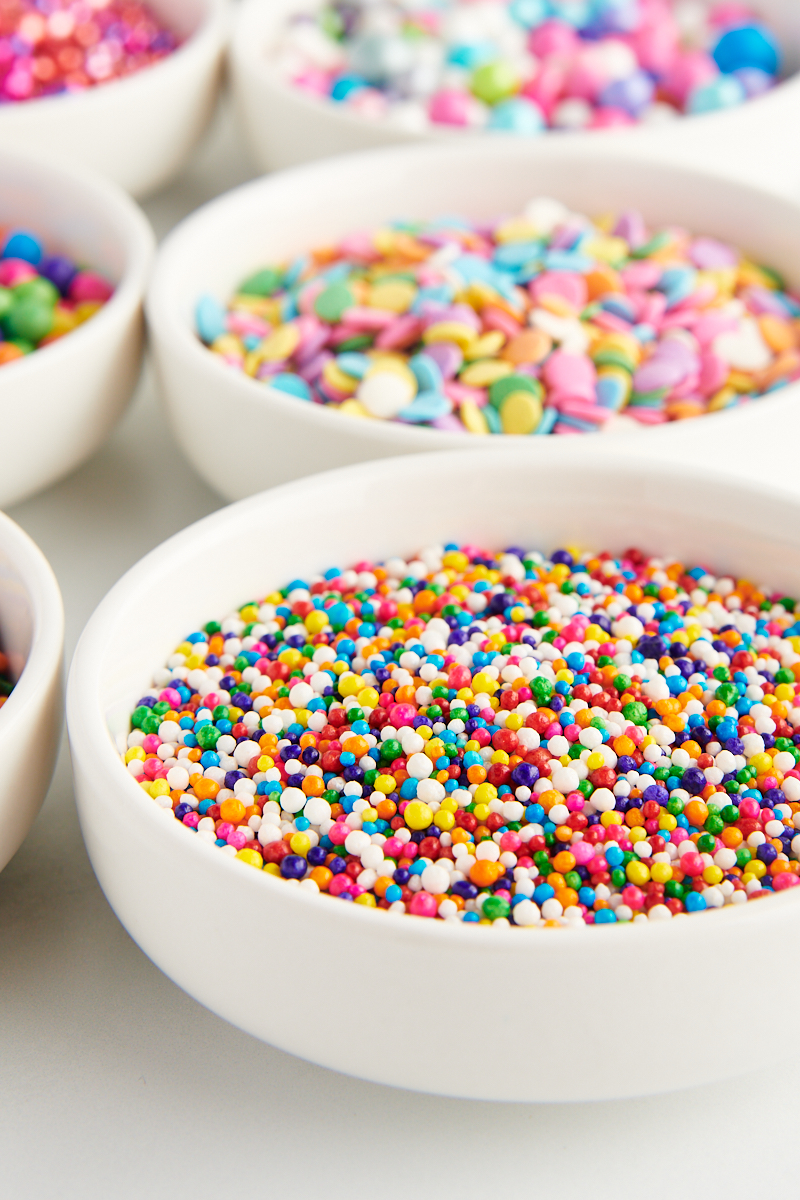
[{"x": 115, "y": 1084}]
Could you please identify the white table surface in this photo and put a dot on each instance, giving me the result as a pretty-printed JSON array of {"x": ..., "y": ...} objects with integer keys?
[{"x": 115, "y": 1084}]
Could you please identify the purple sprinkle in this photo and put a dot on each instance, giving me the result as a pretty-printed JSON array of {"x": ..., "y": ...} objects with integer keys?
[
  {"x": 631, "y": 228},
  {"x": 659, "y": 373},
  {"x": 710, "y": 255},
  {"x": 447, "y": 357},
  {"x": 448, "y": 424}
]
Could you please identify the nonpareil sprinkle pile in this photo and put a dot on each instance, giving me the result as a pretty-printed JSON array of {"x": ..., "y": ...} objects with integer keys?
[
  {"x": 528, "y": 65},
  {"x": 494, "y": 738},
  {"x": 53, "y": 46},
  {"x": 42, "y": 297},
  {"x": 547, "y": 322}
]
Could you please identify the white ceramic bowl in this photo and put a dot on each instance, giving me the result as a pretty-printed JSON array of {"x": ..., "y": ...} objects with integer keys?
[
  {"x": 756, "y": 142},
  {"x": 474, "y": 1012},
  {"x": 58, "y": 404},
  {"x": 137, "y": 131},
  {"x": 278, "y": 437},
  {"x": 32, "y": 637}
]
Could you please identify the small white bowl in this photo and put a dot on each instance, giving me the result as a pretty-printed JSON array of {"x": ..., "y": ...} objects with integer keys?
[
  {"x": 59, "y": 404},
  {"x": 137, "y": 131},
  {"x": 278, "y": 437},
  {"x": 284, "y": 126},
  {"x": 32, "y": 637},
  {"x": 473, "y": 1012}
]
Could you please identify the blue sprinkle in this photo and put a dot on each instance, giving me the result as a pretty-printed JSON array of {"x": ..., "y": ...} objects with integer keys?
[
  {"x": 209, "y": 318},
  {"x": 22, "y": 245},
  {"x": 426, "y": 406}
]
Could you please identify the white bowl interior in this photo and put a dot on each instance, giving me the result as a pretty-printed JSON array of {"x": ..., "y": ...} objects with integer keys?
[
  {"x": 16, "y": 615},
  {"x": 68, "y": 217},
  {"x": 182, "y": 17}
]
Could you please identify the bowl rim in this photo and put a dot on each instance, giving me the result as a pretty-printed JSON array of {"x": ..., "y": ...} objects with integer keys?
[
  {"x": 211, "y": 29},
  {"x": 132, "y": 231},
  {"x": 173, "y": 333},
  {"x": 89, "y": 732},
  {"x": 253, "y": 18},
  {"x": 47, "y": 642}
]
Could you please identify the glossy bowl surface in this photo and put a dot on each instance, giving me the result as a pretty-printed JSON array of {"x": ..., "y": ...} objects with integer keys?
[
  {"x": 59, "y": 404},
  {"x": 757, "y": 142},
  {"x": 278, "y": 437},
  {"x": 32, "y": 638},
  {"x": 528, "y": 1014}
]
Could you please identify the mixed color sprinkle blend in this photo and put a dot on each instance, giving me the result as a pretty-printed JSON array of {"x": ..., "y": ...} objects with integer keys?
[
  {"x": 42, "y": 296},
  {"x": 53, "y": 46},
  {"x": 543, "y": 323},
  {"x": 6, "y": 682},
  {"x": 527, "y": 65},
  {"x": 492, "y": 737}
]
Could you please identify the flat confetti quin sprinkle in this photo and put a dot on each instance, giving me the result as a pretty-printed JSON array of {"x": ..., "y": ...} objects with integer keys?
[
  {"x": 49, "y": 47},
  {"x": 42, "y": 296},
  {"x": 526, "y": 66},
  {"x": 494, "y": 738},
  {"x": 547, "y": 322}
]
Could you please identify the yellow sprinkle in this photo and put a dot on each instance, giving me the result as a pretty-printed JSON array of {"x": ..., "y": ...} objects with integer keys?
[
  {"x": 395, "y": 364},
  {"x": 280, "y": 344},
  {"x": 740, "y": 381},
  {"x": 353, "y": 409},
  {"x": 86, "y": 310},
  {"x": 606, "y": 222},
  {"x": 450, "y": 331},
  {"x": 518, "y": 230},
  {"x": 724, "y": 280},
  {"x": 396, "y": 295},
  {"x": 337, "y": 378},
  {"x": 64, "y": 320},
  {"x": 251, "y": 857},
  {"x": 751, "y": 275},
  {"x": 723, "y": 399},
  {"x": 611, "y": 250},
  {"x": 260, "y": 306},
  {"x": 472, "y": 418},
  {"x": 487, "y": 346},
  {"x": 557, "y": 305},
  {"x": 521, "y": 412},
  {"x": 619, "y": 341},
  {"x": 479, "y": 294},
  {"x": 485, "y": 372},
  {"x": 229, "y": 345}
]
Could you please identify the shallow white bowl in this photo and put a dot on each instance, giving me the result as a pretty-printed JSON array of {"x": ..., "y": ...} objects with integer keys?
[
  {"x": 59, "y": 404},
  {"x": 474, "y": 1012},
  {"x": 32, "y": 637},
  {"x": 139, "y": 130},
  {"x": 756, "y": 142},
  {"x": 278, "y": 437}
]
